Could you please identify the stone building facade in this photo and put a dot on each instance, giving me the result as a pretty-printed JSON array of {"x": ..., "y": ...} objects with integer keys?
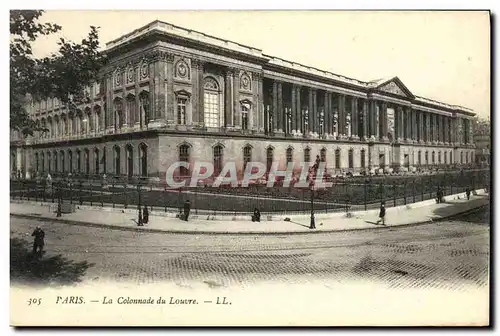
[{"x": 170, "y": 94}]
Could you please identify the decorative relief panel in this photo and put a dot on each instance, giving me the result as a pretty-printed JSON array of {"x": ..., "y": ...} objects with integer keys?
[
  {"x": 211, "y": 84},
  {"x": 182, "y": 70},
  {"x": 245, "y": 82},
  {"x": 118, "y": 78},
  {"x": 131, "y": 74},
  {"x": 393, "y": 88},
  {"x": 144, "y": 70}
]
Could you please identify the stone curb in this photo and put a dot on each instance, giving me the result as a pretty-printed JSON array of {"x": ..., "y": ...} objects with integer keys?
[{"x": 153, "y": 230}]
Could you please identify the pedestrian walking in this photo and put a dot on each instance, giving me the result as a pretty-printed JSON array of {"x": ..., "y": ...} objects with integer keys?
[
  {"x": 187, "y": 209},
  {"x": 256, "y": 215},
  {"x": 467, "y": 193},
  {"x": 381, "y": 214},
  {"x": 39, "y": 240},
  {"x": 145, "y": 215}
]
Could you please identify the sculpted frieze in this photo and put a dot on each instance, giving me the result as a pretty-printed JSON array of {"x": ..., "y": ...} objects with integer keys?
[{"x": 393, "y": 88}]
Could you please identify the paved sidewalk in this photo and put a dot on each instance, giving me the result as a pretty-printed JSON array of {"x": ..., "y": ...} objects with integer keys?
[{"x": 405, "y": 215}]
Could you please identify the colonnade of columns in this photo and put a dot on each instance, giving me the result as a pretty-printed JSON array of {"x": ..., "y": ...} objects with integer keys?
[{"x": 291, "y": 109}]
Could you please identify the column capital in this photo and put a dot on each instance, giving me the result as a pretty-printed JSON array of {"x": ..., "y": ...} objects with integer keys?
[{"x": 197, "y": 63}]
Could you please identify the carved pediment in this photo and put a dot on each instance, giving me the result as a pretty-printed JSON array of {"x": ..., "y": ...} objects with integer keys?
[{"x": 393, "y": 88}]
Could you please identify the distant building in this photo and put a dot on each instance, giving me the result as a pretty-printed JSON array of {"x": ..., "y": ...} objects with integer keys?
[
  {"x": 172, "y": 94},
  {"x": 482, "y": 140}
]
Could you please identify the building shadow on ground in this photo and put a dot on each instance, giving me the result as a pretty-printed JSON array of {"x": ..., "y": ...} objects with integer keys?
[
  {"x": 478, "y": 215},
  {"x": 26, "y": 268}
]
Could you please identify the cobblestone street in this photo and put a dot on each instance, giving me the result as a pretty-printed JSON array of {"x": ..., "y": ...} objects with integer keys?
[{"x": 449, "y": 254}]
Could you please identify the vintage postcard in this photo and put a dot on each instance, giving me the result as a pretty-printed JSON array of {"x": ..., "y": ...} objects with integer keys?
[{"x": 250, "y": 168}]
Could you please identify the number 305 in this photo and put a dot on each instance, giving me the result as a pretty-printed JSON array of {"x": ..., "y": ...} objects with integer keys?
[{"x": 34, "y": 301}]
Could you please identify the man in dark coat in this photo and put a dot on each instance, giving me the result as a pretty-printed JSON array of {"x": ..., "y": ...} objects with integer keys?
[
  {"x": 382, "y": 214},
  {"x": 38, "y": 242},
  {"x": 187, "y": 209},
  {"x": 467, "y": 193},
  {"x": 145, "y": 215},
  {"x": 256, "y": 215}
]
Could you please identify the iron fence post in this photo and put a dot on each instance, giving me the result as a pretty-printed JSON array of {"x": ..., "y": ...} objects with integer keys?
[
  {"x": 90, "y": 188},
  {"x": 394, "y": 193},
  {"x": 80, "y": 192},
  {"x": 404, "y": 191},
  {"x": 125, "y": 205},
  {"x": 365, "y": 194},
  {"x": 113, "y": 194}
]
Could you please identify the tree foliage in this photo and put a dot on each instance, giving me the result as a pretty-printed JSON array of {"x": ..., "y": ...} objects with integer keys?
[{"x": 63, "y": 74}]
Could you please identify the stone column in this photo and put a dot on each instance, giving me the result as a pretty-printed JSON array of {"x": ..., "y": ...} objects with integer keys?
[
  {"x": 364, "y": 126},
  {"x": 408, "y": 123},
  {"x": 260, "y": 102},
  {"x": 315, "y": 113},
  {"x": 157, "y": 109},
  {"x": 274, "y": 109},
  {"x": 414, "y": 125},
  {"x": 420, "y": 126},
  {"x": 310, "y": 110},
  {"x": 195, "y": 80},
  {"x": 354, "y": 118},
  {"x": 401, "y": 123},
  {"x": 385, "y": 121},
  {"x": 228, "y": 95},
  {"x": 300, "y": 117},
  {"x": 201, "y": 93},
  {"x": 427, "y": 127},
  {"x": 341, "y": 115},
  {"x": 235, "y": 99},
  {"x": 280, "y": 112},
  {"x": 294, "y": 109},
  {"x": 328, "y": 114}
]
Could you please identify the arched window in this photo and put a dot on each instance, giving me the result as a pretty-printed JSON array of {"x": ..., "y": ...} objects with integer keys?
[
  {"x": 78, "y": 161},
  {"x": 70, "y": 161},
  {"x": 433, "y": 157},
  {"x": 89, "y": 124},
  {"x": 131, "y": 107},
  {"x": 363, "y": 158},
  {"x": 445, "y": 157},
  {"x": 117, "y": 160},
  {"x": 87, "y": 160},
  {"x": 181, "y": 110},
  {"x": 426, "y": 157},
  {"x": 130, "y": 160},
  {"x": 337, "y": 158},
  {"x": 144, "y": 110},
  {"x": 143, "y": 151},
  {"x": 350, "y": 156},
  {"x": 37, "y": 164},
  {"x": 96, "y": 161},
  {"x": 74, "y": 127},
  {"x": 439, "y": 157},
  {"x": 451, "y": 157},
  {"x": 211, "y": 102},
  {"x": 63, "y": 163},
  {"x": 269, "y": 158},
  {"x": 247, "y": 156},
  {"x": 461, "y": 157},
  {"x": 218, "y": 150},
  {"x": 118, "y": 110},
  {"x": 49, "y": 162},
  {"x": 419, "y": 157},
  {"x": 50, "y": 127},
  {"x": 104, "y": 161},
  {"x": 307, "y": 154},
  {"x": 97, "y": 114},
  {"x": 184, "y": 153},
  {"x": 56, "y": 163},
  {"x": 289, "y": 155},
  {"x": 322, "y": 155},
  {"x": 42, "y": 161},
  {"x": 245, "y": 110},
  {"x": 81, "y": 123}
]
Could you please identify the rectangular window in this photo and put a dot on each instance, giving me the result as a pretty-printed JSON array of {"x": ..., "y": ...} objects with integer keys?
[
  {"x": 181, "y": 111},
  {"x": 245, "y": 109},
  {"x": 362, "y": 159},
  {"x": 211, "y": 105}
]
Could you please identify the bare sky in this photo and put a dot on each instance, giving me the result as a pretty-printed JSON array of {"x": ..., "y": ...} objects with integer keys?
[{"x": 438, "y": 55}]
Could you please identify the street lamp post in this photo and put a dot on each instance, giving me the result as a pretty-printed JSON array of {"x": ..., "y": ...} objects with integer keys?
[
  {"x": 312, "y": 224},
  {"x": 139, "y": 220}
]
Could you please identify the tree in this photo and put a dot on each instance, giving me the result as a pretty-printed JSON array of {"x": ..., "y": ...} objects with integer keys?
[{"x": 63, "y": 75}]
